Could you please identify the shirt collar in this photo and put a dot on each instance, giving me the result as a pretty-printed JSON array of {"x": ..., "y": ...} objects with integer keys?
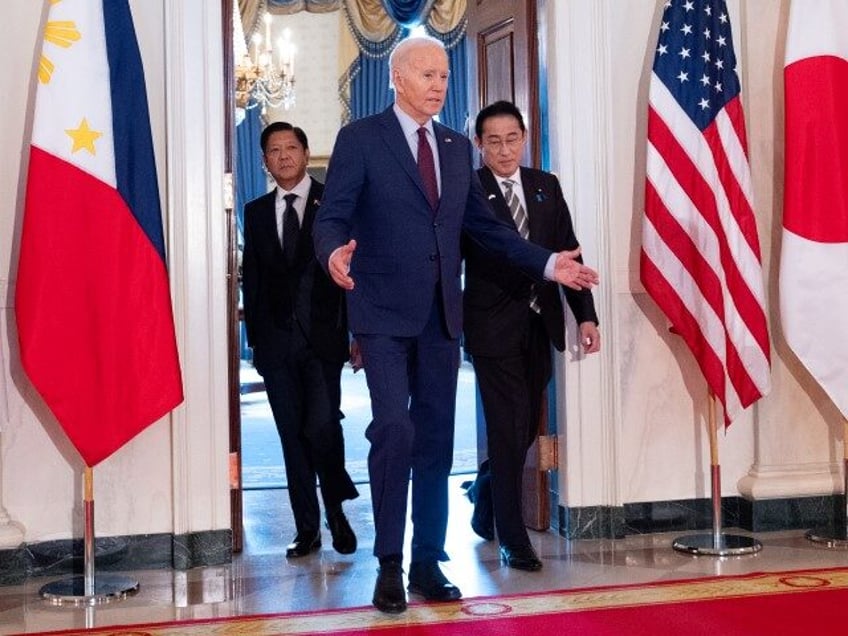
[
  {"x": 409, "y": 125},
  {"x": 514, "y": 177},
  {"x": 301, "y": 189}
]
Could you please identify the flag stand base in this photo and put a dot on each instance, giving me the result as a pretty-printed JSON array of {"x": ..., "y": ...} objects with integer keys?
[
  {"x": 716, "y": 543},
  {"x": 87, "y": 589},
  {"x": 723, "y": 545},
  {"x": 832, "y": 536},
  {"x": 835, "y": 533},
  {"x": 72, "y": 591}
]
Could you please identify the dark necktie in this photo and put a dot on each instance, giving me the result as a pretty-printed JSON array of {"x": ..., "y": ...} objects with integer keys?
[
  {"x": 519, "y": 217},
  {"x": 291, "y": 229},
  {"x": 427, "y": 168}
]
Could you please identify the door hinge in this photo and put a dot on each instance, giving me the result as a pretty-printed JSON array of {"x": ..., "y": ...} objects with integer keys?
[
  {"x": 235, "y": 471},
  {"x": 229, "y": 197},
  {"x": 548, "y": 452}
]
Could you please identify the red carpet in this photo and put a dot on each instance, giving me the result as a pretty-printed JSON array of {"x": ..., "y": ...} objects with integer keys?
[{"x": 777, "y": 604}]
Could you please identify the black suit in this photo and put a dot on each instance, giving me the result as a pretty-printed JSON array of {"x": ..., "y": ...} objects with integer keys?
[
  {"x": 296, "y": 323},
  {"x": 510, "y": 344}
]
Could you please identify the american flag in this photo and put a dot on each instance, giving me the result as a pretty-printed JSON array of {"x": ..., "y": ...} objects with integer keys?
[{"x": 700, "y": 259}]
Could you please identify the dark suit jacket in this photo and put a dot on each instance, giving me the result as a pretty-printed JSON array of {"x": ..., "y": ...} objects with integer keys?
[
  {"x": 375, "y": 195},
  {"x": 497, "y": 295},
  {"x": 278, "y": 299}
]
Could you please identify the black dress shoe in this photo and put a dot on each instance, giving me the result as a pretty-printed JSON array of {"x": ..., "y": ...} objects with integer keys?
[
  {"x": 521, "y": 558},
  {"x": 427, "y": 580},
  {"x": 483, "y": 517},
  {"x": 482, "y": 521},
  {"x": 303, "y": 545},
  {"x": 344, "y": 541},
  {"x": 389, "y": 595}
]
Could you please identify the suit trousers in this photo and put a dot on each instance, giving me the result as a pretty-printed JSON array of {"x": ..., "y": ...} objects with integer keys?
[
  {"x": 511, "y": 390},
  {"x": 412, "y": 383},
  {"x": 305, "y": 396}
]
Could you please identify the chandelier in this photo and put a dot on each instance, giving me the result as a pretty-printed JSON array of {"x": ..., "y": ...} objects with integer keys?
[{"x": 265, "y": 76}]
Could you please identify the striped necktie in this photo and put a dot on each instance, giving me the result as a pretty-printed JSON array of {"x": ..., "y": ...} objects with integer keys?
[{"x": 519, "y": 217}]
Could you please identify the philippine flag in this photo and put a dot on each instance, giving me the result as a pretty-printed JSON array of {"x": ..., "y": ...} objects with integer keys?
[
  {"x": 92, "y": 300},
  {"x": 814, "y": 254}
]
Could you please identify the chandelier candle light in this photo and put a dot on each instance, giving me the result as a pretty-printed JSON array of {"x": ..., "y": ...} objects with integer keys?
[{"x": 263, "y": 80}]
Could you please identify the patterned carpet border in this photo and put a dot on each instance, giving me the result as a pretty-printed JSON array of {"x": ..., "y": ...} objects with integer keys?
[{"x": 492, "y": 608}]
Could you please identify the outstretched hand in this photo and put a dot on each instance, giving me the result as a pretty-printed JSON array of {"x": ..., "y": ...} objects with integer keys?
[
  {"x": 339, "y": 265},
  {"x": 571, "y": 273}
]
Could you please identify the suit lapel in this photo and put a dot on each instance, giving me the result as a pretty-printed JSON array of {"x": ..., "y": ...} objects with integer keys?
[
  {"x": 313, "y": 200},
  {"x": 451, "y": 157},
  {"x": 536, "y": 199},
  {"x": 447, "y": 149},
  {"x": 267, "y": 222},
  {"x": 309, "y": 211},
  {"x": 399, "y": 147}
]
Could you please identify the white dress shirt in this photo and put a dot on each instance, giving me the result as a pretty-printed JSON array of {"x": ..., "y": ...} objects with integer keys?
[
  {"x": 302, "y": 192},
  {"x": 410, "y": 132}
]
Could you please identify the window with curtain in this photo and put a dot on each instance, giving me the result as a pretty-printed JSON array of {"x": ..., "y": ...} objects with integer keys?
[{"x": 374, "y": 27}]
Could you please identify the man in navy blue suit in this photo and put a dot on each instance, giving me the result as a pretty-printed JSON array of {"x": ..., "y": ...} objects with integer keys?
[{"x": 400, "y": 190}]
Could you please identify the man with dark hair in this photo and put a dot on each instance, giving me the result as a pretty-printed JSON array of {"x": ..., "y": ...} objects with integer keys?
[
  {"x": 400, "y": 189},
  {"x": 509, "y": 326},
  {"x": 296, "y": 324}
]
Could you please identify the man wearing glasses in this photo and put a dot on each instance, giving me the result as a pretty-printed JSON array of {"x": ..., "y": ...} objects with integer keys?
[{"x": 509, "y": 324}]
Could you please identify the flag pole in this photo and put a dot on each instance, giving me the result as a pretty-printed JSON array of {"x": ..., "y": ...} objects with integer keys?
[
  {"x": 717, "y": 543},
  {"x": 835, "y": 535},
  {"x": 86, "y": 589}
]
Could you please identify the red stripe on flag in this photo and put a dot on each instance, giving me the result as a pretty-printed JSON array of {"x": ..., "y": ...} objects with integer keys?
[
  {"x": 686, "y": 173},
  {"x": 739, "y": 377},
  {"x": 697, "y": 162},
  {"x": 685, "y": 325},
  {"x": 740, "y": 209},
  {"x": 816, "y": 186},
  {"x": 734, "y": 111},
  {"x": 749, "y": 307},
  {"x": 673, "y": 236},
  {"x": 701, "y": 194},
  {"x": 93, "y": 310},
  {"x": 680, "y": 243}
]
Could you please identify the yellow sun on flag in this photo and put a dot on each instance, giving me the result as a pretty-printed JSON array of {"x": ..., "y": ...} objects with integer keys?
[
  {"x": 84, "y": 137},
  {"x": 62, "y": 33}
]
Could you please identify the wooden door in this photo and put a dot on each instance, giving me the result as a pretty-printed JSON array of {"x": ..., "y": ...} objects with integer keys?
[
  {"x": 233, "y": 346},
  {"x": 503, "y": 64}
]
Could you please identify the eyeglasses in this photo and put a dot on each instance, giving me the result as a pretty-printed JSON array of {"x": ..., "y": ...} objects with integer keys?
[{"x": 511, "y": 143}]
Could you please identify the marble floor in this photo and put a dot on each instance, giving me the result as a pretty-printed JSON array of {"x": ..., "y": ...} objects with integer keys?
[{"x": 261, "y": 580}]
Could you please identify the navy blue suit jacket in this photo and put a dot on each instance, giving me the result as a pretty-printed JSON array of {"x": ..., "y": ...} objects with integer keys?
[{"x": 374, "y": 194}]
